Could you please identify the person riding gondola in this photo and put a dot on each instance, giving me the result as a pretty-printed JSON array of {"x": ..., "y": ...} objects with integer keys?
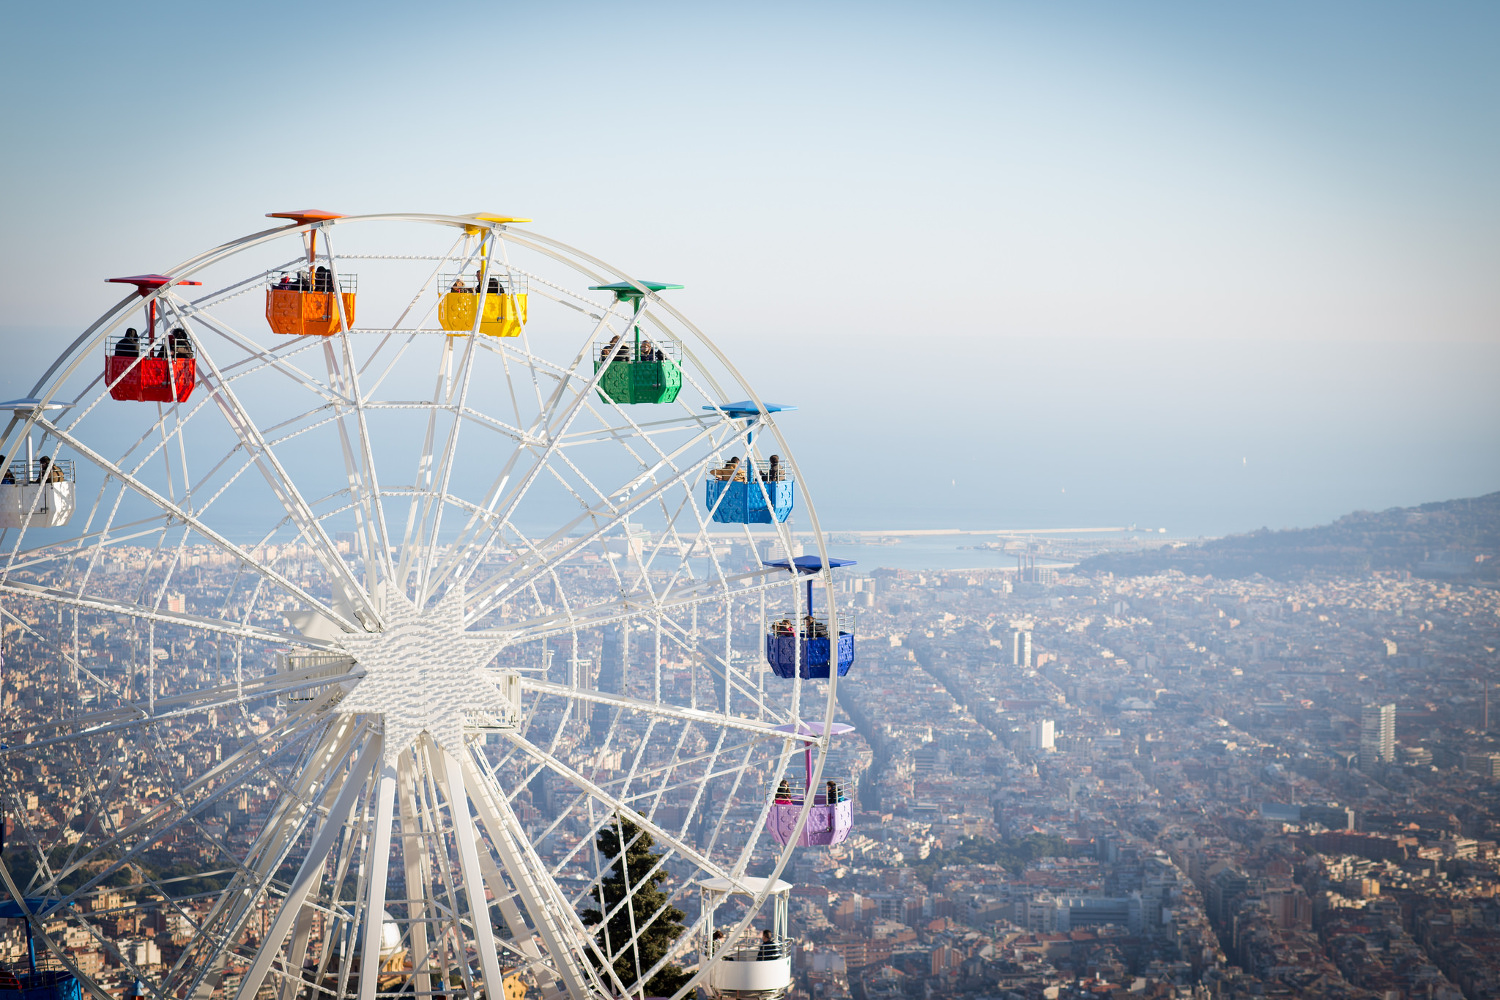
[
  {"x": 178, "y": 344},
  {"x": 128, "y": 346},
  {"x": 322, "y": 280},
  {"x": 7, "y": 478}
]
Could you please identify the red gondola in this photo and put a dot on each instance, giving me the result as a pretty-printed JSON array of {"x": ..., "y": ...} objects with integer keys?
[{"x": 145, "y": 369}]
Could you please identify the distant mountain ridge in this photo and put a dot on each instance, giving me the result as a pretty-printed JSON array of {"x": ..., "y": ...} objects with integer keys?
[{"x": 1452, "y": 539}]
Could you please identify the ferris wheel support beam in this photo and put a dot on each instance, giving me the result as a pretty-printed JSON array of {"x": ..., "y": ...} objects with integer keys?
[
  {"x": 415, "y": 861},
  {"x": 468, "y": 855},
  {"x": 283, "y": 829},
  {"x": 554, "y": 919},
  {"x": 311, "y": 869},
  {"x": 379, "y": 866}
]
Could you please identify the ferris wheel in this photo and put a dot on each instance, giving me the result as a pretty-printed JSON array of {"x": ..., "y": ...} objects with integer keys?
[{"x": 376, "y": 591}]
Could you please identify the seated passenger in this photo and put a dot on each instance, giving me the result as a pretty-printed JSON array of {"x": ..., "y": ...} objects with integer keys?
[
  {"x": 782, "y": 627},
  {"x": 47, "y": 471},
  {"x": 322, "y": 280},
  {"x": 728, "y": 472},
  {"x": 458, "y": 285},
  {"x": 832, "y": 795},
  {"x": 784, "y": 791},
  {"x": 494, "y": 287},
  {"x": 813, "y": 629},
  {"x": 285, "y": 284},
  {"x": 7, "y": 479},
  {"x": 128, "y": 346},
  {"x": 769, "y": 949},
  {"x": 178, "y": 344},
  {"x": 716, "y": 943},
  {"x": 609, "y": 348},
  {"x": 645, "y": 352},
  {"x": 775, "y": 471}
]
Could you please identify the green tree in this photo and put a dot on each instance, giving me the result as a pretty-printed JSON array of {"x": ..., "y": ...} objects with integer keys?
[{"x": 645, "y": 929}]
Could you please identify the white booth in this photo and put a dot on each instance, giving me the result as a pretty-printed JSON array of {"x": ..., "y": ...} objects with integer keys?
[{"x": 755, "y": 967}]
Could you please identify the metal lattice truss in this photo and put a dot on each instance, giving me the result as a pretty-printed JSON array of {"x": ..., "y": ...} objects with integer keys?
[{"x": 343, "y": 663}]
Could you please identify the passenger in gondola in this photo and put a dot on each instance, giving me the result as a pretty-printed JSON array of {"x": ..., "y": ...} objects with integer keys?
[
  {"x": 458, "y": 285},
  {"x": 47, "y": 471},
  {"x": 784, "y": 791},
  {"x": 7, "y": 479},
  {"x": 728, "y": 471},
  {"x": 322, "y": 280},
  {"x": 769, "y": 950},
  {"x": 716, "y": 943},
  {"x": 609, "y": 348},
  {"x": 783, "y": 627},
  {"x": 774, "y": 474},
  {"x": 178, "y": 344},
  {"x": 832, "y": 795},
  {"x": 128, "y": 346},
  {"x": 813, "y": 629},
  {"x": 493, "y": 287},
  {"x": 645, "y": 352}
]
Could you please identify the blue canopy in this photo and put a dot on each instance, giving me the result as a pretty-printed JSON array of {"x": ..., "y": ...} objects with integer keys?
[
  {"x": 11, "y": 910},
  {"x": 808, "y": 564},
  {"x": 745, "y": 408}
]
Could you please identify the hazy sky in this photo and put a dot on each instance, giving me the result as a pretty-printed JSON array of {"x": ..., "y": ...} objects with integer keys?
[{"x": 1211, "y": 266}]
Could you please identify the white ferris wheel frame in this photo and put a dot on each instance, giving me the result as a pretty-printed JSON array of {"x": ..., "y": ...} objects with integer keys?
[{"x": 323, "y": 802}]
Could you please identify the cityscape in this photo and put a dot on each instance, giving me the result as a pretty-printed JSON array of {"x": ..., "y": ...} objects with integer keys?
[
  {"x": 943, "y": 501},
  {"x": 1066, "y": 784}
]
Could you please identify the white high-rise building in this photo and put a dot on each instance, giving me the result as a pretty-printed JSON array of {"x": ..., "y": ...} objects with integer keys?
[
  {"x": 1043, "y": 735},
  {"x": 1020, "y": 648},
  {"x": 1377, "y": 735}
]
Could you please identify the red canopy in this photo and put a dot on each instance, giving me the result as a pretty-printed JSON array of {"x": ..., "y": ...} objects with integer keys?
[{"x": 148, "y": 283}]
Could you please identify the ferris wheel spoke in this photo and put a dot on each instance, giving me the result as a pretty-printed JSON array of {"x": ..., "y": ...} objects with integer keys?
[
  {"x": 226, "y": 921},
  {"x": 364, "y": 483},
  {"x": 203, "y": 529},
  {"x": 241, "y": 630},
  {"x": 554, "y": 918},
  {"x": 133, "y": 714},
  {"x": 615, "y": 804},
  {"x": 311, "y": 869},
  {"x": 257, "y": 359},
  {"x": 291, "y": 500},
  {"x": 628, "y": 606},
  {"x": 497, "y": 584}
]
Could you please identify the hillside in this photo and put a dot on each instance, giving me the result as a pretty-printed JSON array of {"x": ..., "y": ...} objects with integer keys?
[{"x": 1453, "y": 539}]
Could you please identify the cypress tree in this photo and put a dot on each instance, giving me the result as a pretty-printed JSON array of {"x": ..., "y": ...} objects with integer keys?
[{"x": 649, "y": 943}]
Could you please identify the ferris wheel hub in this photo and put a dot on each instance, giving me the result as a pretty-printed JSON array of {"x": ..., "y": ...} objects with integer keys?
[{"x": 425, "y": 673}]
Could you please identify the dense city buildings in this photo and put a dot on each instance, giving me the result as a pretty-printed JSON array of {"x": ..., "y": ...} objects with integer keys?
[{"x": 1070, "y": 785}]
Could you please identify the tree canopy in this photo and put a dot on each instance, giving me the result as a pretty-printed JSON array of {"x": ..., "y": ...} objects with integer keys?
[{"x": 645, "y": 930}]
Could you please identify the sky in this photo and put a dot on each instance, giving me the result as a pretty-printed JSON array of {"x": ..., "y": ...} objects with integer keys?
[{"x": 1209, "y": 267}]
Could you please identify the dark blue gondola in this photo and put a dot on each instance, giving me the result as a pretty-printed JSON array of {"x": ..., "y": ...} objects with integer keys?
[{"x": 813, "y": 645}]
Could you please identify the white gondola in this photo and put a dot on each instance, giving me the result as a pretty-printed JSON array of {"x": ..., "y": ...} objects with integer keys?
[
  {"x": 752, "y": 968},
  {"x": 34, "y": 492}
]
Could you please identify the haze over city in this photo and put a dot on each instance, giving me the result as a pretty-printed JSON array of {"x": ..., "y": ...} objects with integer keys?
[
  {"x": 839, "y": 502},
  {"x": 1026, "y": 265}
]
